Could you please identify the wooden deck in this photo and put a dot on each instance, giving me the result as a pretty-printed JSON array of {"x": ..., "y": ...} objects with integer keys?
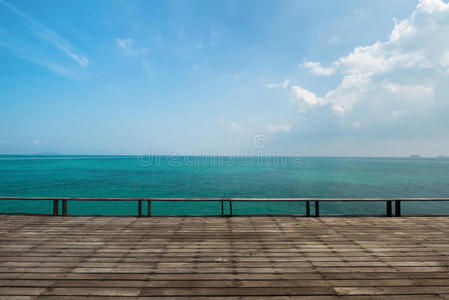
[{"x": 44, "y": 257}]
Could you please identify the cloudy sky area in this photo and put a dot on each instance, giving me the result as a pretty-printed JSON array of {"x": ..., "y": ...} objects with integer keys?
[{"x": 334, "y": 78}]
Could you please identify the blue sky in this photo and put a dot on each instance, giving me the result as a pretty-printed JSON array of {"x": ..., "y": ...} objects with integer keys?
[{"x": 344, "y": 78}]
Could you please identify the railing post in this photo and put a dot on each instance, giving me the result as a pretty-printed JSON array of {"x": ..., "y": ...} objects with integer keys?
[
  {"x": 64, "y": 208},
  {"x": 149, "y": 208},
  {"x": 307, "y": 208},
  {"x": 139, "y": 208},
  {"x": 230, "y": 208},
  {"x": 389, "y": 210},
  {"x": 222, "y": 208},
  {"x": 55, "y": 207},
  {"x": 317, "y": 208},
  {"x": 397, "y": 208}
]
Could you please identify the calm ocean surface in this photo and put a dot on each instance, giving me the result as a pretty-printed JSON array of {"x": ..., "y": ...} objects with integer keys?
[{"x": 131, "y": 176}]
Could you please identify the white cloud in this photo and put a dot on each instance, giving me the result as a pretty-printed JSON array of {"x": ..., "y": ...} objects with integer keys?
[
  {"x": 445, "y": 59},
  {"x": 356, "y": 124},
  {"x": 279, "y": 85},
  {"x": 124, "y": 44},
  {"x": 334, "y": 40},
  {"x": 30, "y": 41},
  {"x": 229, "y": 125},
  {"x": 397, "y": 86},
  {"x": 235, "y": 76},
  {"x": 304, "y": 96},
  {"x": 316, "y": 68},
  {"x": 199, "y": 45},
  {"x": 402, "y": 29},
  {"x": 398, "y": 113},
  {"x": 128, "y": 48},
  {"x": 277, "y": 128},
  {"x": 235, "y": 125},
  {"x": 420, "y": 91},
  {"x": 306, "y": 99},
  {"x": 432, "y": 6}
]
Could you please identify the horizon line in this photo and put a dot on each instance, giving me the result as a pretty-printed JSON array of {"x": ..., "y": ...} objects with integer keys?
[{"x": 416, "y": 156}]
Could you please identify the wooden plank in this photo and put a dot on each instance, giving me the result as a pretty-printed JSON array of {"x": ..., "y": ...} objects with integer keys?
[
  {"x": 194, "y": 292},
  {"x": 240, "y": 257}
]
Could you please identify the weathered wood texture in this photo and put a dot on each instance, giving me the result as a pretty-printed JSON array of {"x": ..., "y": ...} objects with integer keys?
[{"x": 43, "y": 257}]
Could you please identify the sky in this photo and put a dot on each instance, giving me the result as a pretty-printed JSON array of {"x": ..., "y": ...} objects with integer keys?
[{"x": 321, "y": 78}]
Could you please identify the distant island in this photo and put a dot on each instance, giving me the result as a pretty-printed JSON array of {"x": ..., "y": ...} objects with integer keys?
[
  {"x": 416, "y": 156},
  {"x": 47, "y": 153}
]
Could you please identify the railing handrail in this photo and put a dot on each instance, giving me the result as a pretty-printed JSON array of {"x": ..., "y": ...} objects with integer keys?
[
  {"x": 388, "y": 201},
  {"x": 221, "y": 199}
]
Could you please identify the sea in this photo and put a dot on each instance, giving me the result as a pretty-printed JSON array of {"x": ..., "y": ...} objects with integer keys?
[{"x": 228, "y": 177}]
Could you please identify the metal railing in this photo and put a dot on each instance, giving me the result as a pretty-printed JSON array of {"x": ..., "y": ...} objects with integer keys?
[{"x": 307, "y": 201}]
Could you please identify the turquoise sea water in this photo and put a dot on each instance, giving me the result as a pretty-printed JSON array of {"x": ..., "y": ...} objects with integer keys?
[{"x": 132, "y": 176}]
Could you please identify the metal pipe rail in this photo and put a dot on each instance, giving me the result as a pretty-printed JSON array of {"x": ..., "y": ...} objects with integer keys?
[{"x": 388, "y": 201}]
